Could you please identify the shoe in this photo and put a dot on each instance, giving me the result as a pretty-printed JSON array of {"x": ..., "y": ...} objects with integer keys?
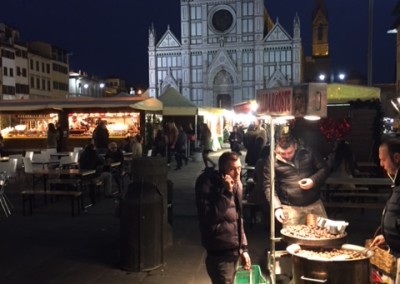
[{"x": 177, "y": 168}]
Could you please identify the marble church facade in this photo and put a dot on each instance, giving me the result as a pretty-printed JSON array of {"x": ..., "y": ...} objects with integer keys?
[{"x": 226, "y": 51}]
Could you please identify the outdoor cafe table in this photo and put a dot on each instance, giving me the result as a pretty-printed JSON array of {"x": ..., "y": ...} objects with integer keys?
[
  {"x": 383, "y": 183},
  {"x": 60, "y": 154},
  {"x": 46, "y": 172}
]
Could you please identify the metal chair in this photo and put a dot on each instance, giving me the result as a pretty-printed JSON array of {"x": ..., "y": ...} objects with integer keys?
[{"x": 5, "y": 203}]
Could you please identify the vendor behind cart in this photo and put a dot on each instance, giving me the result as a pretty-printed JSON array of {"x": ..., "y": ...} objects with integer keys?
[
  {"x": 389, "y": 157},
  {"x": 299, "y": 173}
]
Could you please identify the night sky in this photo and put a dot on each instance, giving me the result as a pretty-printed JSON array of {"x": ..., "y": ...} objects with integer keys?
[{"x": 110, "y": 38}]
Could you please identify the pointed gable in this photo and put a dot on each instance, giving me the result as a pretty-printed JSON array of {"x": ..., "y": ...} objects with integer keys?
[
  {"x": 277, "y": 33},
  {"x": 222, "y": 59},
  {"x": 277, "y": 80},
  {"x": 168, "y": 40}
]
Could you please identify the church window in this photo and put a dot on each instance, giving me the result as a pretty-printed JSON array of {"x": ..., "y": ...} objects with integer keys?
[
  {"x": 197, "y": 75},
  {"x": 289, "y": 55},
  {"x": 277, "y": 56},
  {"x": 195, "y": 12},
  {"x": 247, "y": 8},
  {"x": 248, "y": 73},
  {"x": 197, "y": 96},
  {"x": 283, "y": 56},
  {"x": 320, "y": 32},
  {"x": 271, "y": 56},
  {"x": 196, "y": 29}
]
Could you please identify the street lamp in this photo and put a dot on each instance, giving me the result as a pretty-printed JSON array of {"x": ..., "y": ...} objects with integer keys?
[
  {"x": 101, "y": 85},
  {"x": 341, "y": 76}
]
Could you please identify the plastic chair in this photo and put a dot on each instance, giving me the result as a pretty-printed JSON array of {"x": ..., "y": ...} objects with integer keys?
[
  {"x": 29, "y": 154},
  {"x": 12, "y": 169},
  {"x": 5, "y": 203},
  {"x": 20, "y": 162}
]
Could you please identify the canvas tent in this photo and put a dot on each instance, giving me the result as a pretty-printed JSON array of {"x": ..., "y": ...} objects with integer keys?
[
  {"x": 176, "y": 104},
  {"x": 150, "y": 104}
]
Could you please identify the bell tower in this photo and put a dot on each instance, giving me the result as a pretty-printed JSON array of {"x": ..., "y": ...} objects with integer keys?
[{"x": 320, "y": 45}]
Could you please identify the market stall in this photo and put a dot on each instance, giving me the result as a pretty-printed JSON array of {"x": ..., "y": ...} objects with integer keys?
[
  {"x": 179, "y": 109},
  {"x": 24, "y": 123}
]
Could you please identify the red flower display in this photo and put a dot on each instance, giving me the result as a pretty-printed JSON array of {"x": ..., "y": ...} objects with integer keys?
[{"x": 335, "y": 129}]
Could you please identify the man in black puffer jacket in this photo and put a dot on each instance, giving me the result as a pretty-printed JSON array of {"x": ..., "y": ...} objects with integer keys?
[
  {"x": 219, "y": 207},
  {"x": 299, "y": 173}
]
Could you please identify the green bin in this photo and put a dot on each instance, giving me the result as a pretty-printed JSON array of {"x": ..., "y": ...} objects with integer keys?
[{"x": 252, "y": 276}]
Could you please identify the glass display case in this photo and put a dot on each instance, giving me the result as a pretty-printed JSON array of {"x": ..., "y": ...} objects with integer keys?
[
  {"x": 119, "y": 124},
  {"x": 26, "y": 125}
]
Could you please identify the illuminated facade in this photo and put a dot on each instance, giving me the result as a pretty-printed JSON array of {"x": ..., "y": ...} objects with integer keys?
[{"x": 227, "y": 51}]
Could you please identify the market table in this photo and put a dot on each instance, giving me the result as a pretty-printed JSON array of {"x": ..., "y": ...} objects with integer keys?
[{"x": 356, "y": 195}]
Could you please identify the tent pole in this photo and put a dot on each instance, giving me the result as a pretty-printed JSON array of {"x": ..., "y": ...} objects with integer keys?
[{"x": 271, "y": 253}]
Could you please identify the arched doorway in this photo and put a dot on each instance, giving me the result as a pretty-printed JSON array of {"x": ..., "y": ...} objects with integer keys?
[{"x": 223, "y": 89}]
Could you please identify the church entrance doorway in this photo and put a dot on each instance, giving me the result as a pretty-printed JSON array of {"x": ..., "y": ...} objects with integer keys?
[{"x": 224, "y": 101}]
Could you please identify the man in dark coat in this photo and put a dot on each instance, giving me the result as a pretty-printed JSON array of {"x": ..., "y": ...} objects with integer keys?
[
  {"x": 219, "y": 207},
  {"x": 299, "y": 173}
]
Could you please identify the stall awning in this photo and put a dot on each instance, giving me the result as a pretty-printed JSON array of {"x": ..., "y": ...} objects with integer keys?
[
  {"x": 175, "y": 103},
  {"x": 343, "y": 93},
  {"x": 150, "y": 104},
  {"x": 71, "y": 103}
]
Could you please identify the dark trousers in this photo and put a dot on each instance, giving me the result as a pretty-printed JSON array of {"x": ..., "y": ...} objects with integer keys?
[
  {"x": 180, "y": 155},
  {"x": 222, "y": 268}
]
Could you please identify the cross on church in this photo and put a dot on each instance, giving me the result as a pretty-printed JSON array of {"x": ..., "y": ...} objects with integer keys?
[{"x": 169, "y": 40}]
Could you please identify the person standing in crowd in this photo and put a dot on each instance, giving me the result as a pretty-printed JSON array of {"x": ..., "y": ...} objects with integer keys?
[
  {"x": 180, "y": 148},
  {"x": 299, "y": 173},
  {"x": 389, "y": 157},
  {"x": 254, "y": 140},
  {"x": 1, "y": 144},
  {"x": 137, "y": 149},
  {"x": 89, "y": 159},
  {"x": 115, "y": 155},
  {"x": 160, "y": 143},
  {"x": 258, "y": 195},
  {"x": 52, "y": 136},
  {"x": 219, "y": 207},
  {"x": 172, "y": 136},
  {"x": 60, "y": 138},
  {"x": 206, "y": 144},
  {"x": 235, "y": 140},
  {"x": 191, "y": 136},
  {"x": 100, "y": 137}
]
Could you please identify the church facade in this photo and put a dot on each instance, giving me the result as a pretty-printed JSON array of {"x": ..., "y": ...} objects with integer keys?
[{"x": 226, "y": 52}]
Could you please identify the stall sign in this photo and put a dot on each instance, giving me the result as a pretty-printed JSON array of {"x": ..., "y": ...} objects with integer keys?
[
  {"x": 298, "y": 100},
  {"x": 276, "y": 101}
]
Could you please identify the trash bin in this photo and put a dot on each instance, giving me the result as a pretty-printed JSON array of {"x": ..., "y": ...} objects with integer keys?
[
  {"x": 155, "y": 170},
  {"x": 141, "y": 227}
]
